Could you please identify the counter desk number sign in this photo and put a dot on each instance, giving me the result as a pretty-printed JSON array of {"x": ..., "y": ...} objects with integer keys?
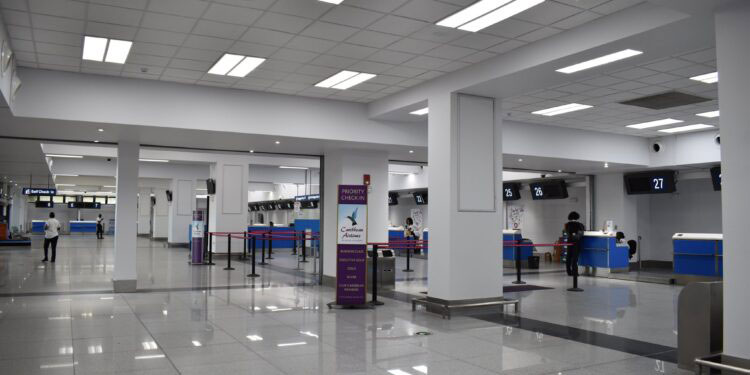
[{"x": 351, "y": 248}]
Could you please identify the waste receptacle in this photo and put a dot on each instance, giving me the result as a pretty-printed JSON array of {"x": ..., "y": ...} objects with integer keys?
[
  {"x": 534, "y": 262},
  {"x": 699, "y": 322},
  {"x": 386, "y": 270}
]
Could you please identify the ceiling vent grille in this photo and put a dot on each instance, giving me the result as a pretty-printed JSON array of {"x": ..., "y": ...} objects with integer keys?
[{"x": 665, "y": 100}]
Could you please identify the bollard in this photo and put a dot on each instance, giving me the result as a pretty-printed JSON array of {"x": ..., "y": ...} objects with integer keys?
[
  {"x": 252, "y": 273},
  {"x": 408, "y": 259},
  {"x": 294, "y": 246},
  {"x": 210, "y": 250},
  {"x": 518, "y": 265},
  {"x": 244, "y": 246},
  {"x": 229, "y": 253},
  {"x": 270, "y": 246},
  {"x": 263, "y": 252},
  {"x": 304, "y": 247},
  {"x": 375, "y": 301}
]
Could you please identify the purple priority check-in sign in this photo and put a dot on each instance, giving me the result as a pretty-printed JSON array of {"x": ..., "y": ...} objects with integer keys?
[{"x": 351, "y": 250}]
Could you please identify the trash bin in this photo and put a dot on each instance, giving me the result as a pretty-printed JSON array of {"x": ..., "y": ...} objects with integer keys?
[
  {"x": 386, "y": 270},
  {"x": 699, "y": 322},
  {"x": 534, "y": 262}
]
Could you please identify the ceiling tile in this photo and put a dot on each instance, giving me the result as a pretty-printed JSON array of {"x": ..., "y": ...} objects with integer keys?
[
  {"x": 13, "y": 17},
  {"x": 185, "y": 8},
  {"x": 154, "y": 49},
  {"x": 330, "y": 31},
  {"x": 207, "y": 42},
  {"x": 321, "y": 71},
  {"x": 350, "y": 16},
  {"x": 301, "y": 8},
  {"x": 202, "y": 66},
  {"x": 114, "y": 15},
  {"x": 668, "y": 65},
  {"x": 405, "y": 71},
  {"x": 294, "y": 55},
  {"x": 333, "y": 61},
  {"x": 232, "y": 14},
  {"x": 506, "y": 46},
  {"x": 438, "y": 34},
  {"x": 693, "y": 70},
  {"x": 132, "y": 4},
  {"x": 281, "y": 66},
  {"x": 257, "y": 4},
  {"x": 57, "y": 49},
  {"x": 397, "y": 25},
  {"x": 615, "y": 6},
  {"x": 539, "y": 34},
  {"x": 160, "y": 37},
  {"x": 658, "y": 78},
  {"x": 511, "y": 28},
  {"x": 58, "y": 60},
  {"x": 426, "y": 62},
  {"x": 109, "y": 30},
  {"x": 372, "y": 39},
  {"x": 167, "y": 22},
  {"x": 584, "y": 4},
  {"x": 302, "y": 78},
  {"x": 183, "y": 73},
  {"x": 701, "y": 56},
  {"x": 19, "y": 32},
  {"x": 351, "y": 51},
  {"x": 426, "y": 10},
  {"x": 634, "y": 73},
  {"x": 450, "y": 52},
  {"x": 282, "y": 22},
  {"x": 478, "y": 57},
  {"x": 148, "y": 60},
  {"x": 385, "y": 6},
  {"x": 547, "y": 13},
  {"x": 478, "y": 41},
  {"x": 57, "y": 37},
  {"x": 56, "y": 23},
  {"x": 15, "y": 4},
  {"x": 576, "y": 20},
  {"x": 61, "y": 8},
  {"x": 390, "y": 57},
  {"x": 310, "y": 44},
  {"x": 23, "y": 45},
  {"x": 370, "y": 67},
  {"x": 412, "y": 46},
  {"x": 270, "y": 37},
  {"x": 453, "y": 66},
  {"x": 252, "y": 49}
]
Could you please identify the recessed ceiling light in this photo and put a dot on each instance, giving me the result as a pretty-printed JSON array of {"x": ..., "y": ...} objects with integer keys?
[
  {"x": 562, "y": 109},
  {"x": 64, "y": 175},
  {"x": 109, "y": 186},
  {"x": 107, "y": 50},
  {"x": 96, "y": 141},
  {"x": 337, "y": 2},
  {"x": 486, "y": 13},
  {"x": 420, "y": 112},
  {"x": 100, "y": 130},
  {"x": 344, "y": 79},
  {"x": 65, "y": 185},
  {"x": 288, "y": 167},
  {"x": 154, "y": 160},
  {"x": 65, "y": 156},
  {"x": 707, "y": 78},
  {"x": 411, "y": 151},
  {"x": 653, "y": 124},
  {"x": 252, "y": 151},
  {"x": 278, "y": 142},
  {"x": 624, "y": 54},
  {"x": 686, "y": 128},
  {"x": 235, "y": 65},
  {"x": 710, "y": 114},
  {"x": 606, "y": 165},
  {"x": 559, "y": 171},
  {"x": 118, "y": 51},
  {"x": 520, "y": 160},
  {"x": 94, "y": 48}
]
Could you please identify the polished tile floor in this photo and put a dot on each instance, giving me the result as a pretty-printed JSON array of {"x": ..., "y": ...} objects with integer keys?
[{"x": 63, "y": 319}]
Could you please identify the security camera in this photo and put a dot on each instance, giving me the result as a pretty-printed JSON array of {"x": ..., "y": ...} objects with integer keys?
[
  {"x": 717, "y": 139},
  {"x": 544, "y": 176},
  {"x": 656, "y": 146},
  {"x": 109, "y": 159}
]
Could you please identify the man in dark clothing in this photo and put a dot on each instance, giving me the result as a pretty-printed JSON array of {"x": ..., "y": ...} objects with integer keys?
[{"x": 574, "y": 231}]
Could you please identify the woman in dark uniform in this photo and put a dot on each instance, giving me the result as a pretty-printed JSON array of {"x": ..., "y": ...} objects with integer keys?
[{"x": 574, "y": 231}]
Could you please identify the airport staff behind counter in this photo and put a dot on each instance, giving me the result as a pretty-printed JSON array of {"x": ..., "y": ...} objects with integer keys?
[{"x": 573, "y": 231}]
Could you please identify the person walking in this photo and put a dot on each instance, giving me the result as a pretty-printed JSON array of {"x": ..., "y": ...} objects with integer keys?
[
  {"x": 574, "y": 231},
  {"x": 51, "y": 234},
  {"x": 100, "y": 227}
]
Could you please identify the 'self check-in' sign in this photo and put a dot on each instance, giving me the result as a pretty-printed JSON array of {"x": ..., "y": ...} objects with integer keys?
[
  {"x": 39, "y": 191},
  {"x": 351, "y": 249}
]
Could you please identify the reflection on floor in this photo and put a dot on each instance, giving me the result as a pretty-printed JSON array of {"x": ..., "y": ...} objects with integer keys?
[{"x": 278, "y": 324}]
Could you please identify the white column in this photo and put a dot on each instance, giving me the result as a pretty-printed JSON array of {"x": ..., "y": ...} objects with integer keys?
[
  {"x": 126, "y": 215},
  {"x": 160, "y": 218},
  {"x": 228, "y": 207},
  {"x": 733, "y": 58},
  {"x": 144, "y": 211},
  {"x": 466, "y": 221},
  {"x": 347, "y": 167},
  {"x": 180, "y": 209}
]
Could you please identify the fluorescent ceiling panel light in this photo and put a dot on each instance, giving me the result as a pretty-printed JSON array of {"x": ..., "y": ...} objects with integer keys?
[
  {"x": 225, "y": 64},
  {"x": 337, "y": 2},
  {"x": 155, "y": 160},
  {"x": 562, "y": 109},
  {"x": 653, "y": 124},
  {"x": 398, "y": 371},
  {"x": 287, "y": 167},
  {"x": 94, "y": 48},
  {"x": 707, "y": 78},
  {"x": 197, "y": 343},
  {"x": 291, "y": 344},
  {"x": 246, "y": 66},
  {"x": 710, "y": 114},
  {"x": 470, "y": 13},
  {"x": 65, "y": 175},
  {"x": 65, "y": 156},
  {"x": 344, "y": 79},
  {"x": 686, "y": 128},
  {"x": 65, "y": 185},
  {"x": 500, "y": 14},
  {"x": 421, "y": 368},
  {"x": 401, "y": 173},
  {"x": 420, "y": 112},
  {"x": 612, "y": 57},
  {"x": 354, "y": 81},
  {"x": 118, "y": 51},
  {"x": 154, "y": 356},
  {"x": 109, "y": 186},
  {"x": 254, "y": 338}
]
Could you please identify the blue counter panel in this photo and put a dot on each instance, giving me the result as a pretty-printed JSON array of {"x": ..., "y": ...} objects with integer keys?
[
  {"x": 509, "y": 251},
  {"x": 603, "y": 252},
  {"x": 37, "y": 227},
  {"x": 277, "y": 243},
  {"x": 398, "y": 235},
  {"x": 82, "y": 227},
  {"x": 698, "y": 257}
]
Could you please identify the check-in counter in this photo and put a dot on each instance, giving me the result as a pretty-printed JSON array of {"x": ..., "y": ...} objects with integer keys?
[
  {"x": 697, "y": 256},
  {"x": 601, "y": 254},
  {"x": 281, "y": 233},
  {"x": 82, "y": 226},
  {"x": 397, "y": 234},
  {"x": 37, "y": 226},
  {"x": 510, "y": 237}
]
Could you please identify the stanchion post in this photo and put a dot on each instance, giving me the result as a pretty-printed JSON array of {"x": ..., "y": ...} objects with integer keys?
[
  {"x": 270, "y": 245},
  {"x": 252, "y": 273},
  {"x": 244, "y": 245},
  {"x": 210, "y": 250},
  {"x": 229, "y": 253},
  {"x": 517, "y": 252},
  {"x": 263, "y": 251},
  {"x": 294, "y": 246},
  {"x": 304, "y": 246},
  {"x": 375, "y": 301},
  {"x": 408, "y": 259}
]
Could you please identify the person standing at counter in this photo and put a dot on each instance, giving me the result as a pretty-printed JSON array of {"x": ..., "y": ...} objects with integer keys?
[
  {"x": 100, "y": 227},
  {"x": 574, "y": 231},
  {"x": 411, "y": 233},
  {"x": 51, "y": 233}
]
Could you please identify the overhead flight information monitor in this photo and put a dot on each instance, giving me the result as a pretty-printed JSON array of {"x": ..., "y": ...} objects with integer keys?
[
  {"x": 652, "y": 182},
  {"x": 511, "y": 191},
  {"x": 549, "y": 189},
  {"x": 420, "y": 197},
  {"x": 392, "y": 199},
  {"x": 716, "y": 178}
]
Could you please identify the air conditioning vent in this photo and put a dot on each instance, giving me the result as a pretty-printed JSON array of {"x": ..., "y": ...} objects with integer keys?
[{"x": 665, "y": 100}]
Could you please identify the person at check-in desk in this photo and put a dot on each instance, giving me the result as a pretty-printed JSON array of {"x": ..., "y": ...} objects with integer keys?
[
  {"x": 411, "y": 232},
  {"x": 100, "y": 227},
  {"x": 574, "y": 231}
]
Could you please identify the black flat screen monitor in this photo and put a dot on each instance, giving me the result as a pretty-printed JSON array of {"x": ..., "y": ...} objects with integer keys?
[
  {"x": 85, "y": 205},
  {"x": 169, "y": 195},
  {"x": 716, "y": 178},
  {"x": 511, "y": 191},
  {"x": 549, "y": 189},
  {"x": 420, "y": 197},
  {"x": 211, "y": 186},
  {"x": 652, "y": 182},
  {"x": 392, "y": 199},
  {"x": 40, "y": 204}
]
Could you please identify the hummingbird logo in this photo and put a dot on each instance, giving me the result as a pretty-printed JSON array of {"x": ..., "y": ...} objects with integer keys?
[{"x": 353, "y": 217}]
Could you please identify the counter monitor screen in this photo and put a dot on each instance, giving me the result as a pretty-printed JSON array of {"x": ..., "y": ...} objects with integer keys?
[
  {"x": 511, "y": 192},
  {"x": 549, "y": 189},
  {"x": 392, "y": 199},
  {"x": 94, "y": 205},
  {"x": 716, "y": 178},
  {"x": 420, "y": 198},
  {"x": 655, "y": 182}
]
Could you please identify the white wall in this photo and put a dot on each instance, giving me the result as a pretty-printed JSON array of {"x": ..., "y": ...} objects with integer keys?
[
  {"x": 5, "y": 80},
  {"x": 542, "y": 220},
  {"x": 686, "y": 149},
  {"x": 397, "y": 214},
  {"x": 611, "y": 202}
]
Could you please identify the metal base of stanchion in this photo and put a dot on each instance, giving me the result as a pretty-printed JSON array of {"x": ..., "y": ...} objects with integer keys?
[
  {"x": 304, "y": 261},
  {"x": 269, "y": 258},
  {"x": 195, "y": 264},
  {"x": 253, "y": 275},
  {"x": 262, "y": 263},
  {"x": 228, "y": 268},
  {"x": 334, "y": 305},
  {"x": 518, "y": 282},
  {"x": 407, "y": 270},
  {"x": 377, "y": 303},
  {"x": 575, "y": 290},
  {"x": 209, "y": 264}
]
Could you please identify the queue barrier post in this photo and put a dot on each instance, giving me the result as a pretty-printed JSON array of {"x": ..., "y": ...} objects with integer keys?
[
  {"x": 408, "y": 258},
  {"x": 294, "y": 246},
  {"x": 517, "y": 253},
  {"x": 270, "y": 245},
  {"x": 263, "y": 251},
  {"x": 210, "y": 250},
  {"x": 375, "y": 301},
  {"x": 244, "y": 245},
  {"x": 229, "y": 253},
  {"x": 252, "y": 272},
  {"x": 304, "y": 246}
]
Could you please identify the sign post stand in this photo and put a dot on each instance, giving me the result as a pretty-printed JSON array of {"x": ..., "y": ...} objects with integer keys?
[
  {"x": 196, "y": 245},
  {"x": 351, "y": 248}
]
